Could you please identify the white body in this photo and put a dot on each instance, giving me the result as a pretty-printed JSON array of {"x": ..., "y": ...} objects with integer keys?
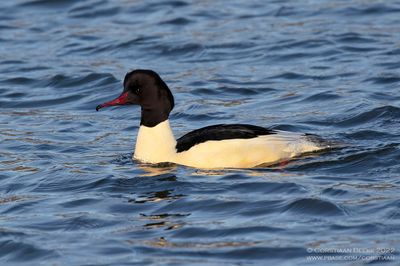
[{"x": 157, "y": 145}]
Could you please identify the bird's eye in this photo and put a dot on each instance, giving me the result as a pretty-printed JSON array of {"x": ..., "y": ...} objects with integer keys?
[{"x": 136, "y": 90}]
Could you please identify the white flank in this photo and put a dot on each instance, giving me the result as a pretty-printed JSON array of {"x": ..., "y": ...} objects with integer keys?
[{"x": 157, "y": 144}]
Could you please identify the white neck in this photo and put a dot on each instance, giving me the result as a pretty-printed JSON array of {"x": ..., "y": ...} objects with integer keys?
[{"x": 155, "y": 144}]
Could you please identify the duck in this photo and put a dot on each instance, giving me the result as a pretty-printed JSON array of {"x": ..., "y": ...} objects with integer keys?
[{"x": 211, "y": 147}]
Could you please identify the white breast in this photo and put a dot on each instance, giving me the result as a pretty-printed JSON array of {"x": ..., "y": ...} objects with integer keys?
[{"x": 155, "y": 144}]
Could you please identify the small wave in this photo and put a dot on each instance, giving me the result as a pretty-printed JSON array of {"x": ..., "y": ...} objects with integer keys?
[
  {"x": 369, "y": 135},
  {"x": 71, "y": 222},
  {"x": 20, "y": 251},
  {"x": 76, "y": 186},
  {"x": 63, "y": 81},
  {"x": 48, "y": 3},
  {"x": 297, "y": 76},
  {"x": 370, "y": 10},
  {"x": 353, "y": 160},
  {"x": 358, "y": 49},
  {"x": 352, "y": 37},
  {"x": 40, "y": 103},
  {"x": 177, "y": 21},
  {"x": 20, "y": 81},
  {"x": 377, "y": 114},
  {"x": 363, "y": 228},
  {"x": 384, "y": 80},
  {"x": 314, "y": 206},
  {"x": 303, "y": 44},
  {"x": 323, "y": 96},
  {"x": 141, "y": 40},
  {"x": 268, "y": 188},
  {"x": 181, "y": 50},
  {"x": 201, "y": 117},
  {"x": 336, "y": 192},
  {"x": 380, "y": 115},
  {"x": 93, "y": 10}
]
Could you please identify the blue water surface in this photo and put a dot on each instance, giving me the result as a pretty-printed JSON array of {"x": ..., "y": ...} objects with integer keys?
[{"x": 71, "y": 195}]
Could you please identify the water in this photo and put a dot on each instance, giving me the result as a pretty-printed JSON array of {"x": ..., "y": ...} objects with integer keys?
[{"x": 70, "y": 194}]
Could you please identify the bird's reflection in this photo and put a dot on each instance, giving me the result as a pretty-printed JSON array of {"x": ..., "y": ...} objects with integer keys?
[{"x": 155, "y": 169}]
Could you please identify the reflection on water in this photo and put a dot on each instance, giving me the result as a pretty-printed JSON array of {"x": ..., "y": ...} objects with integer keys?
[
  {"x": 155, "y": 170},
  {"x": 157, "y": 196}
]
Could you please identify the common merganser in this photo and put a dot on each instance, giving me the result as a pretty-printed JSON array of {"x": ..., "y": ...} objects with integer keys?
[{"x": 217, "y": 146}]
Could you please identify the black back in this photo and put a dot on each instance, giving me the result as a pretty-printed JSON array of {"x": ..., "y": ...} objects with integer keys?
[{"x": 220, "y": 132}]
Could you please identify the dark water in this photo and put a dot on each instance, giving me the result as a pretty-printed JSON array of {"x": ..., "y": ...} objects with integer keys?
[{"x": 70, "y": 194}]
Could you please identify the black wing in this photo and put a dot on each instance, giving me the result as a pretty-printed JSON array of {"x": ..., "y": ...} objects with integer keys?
[{"x": 220, "y": 132}]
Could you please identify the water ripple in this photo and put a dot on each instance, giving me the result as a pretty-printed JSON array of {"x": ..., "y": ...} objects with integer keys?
[{"x": 71, "y": 193}]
